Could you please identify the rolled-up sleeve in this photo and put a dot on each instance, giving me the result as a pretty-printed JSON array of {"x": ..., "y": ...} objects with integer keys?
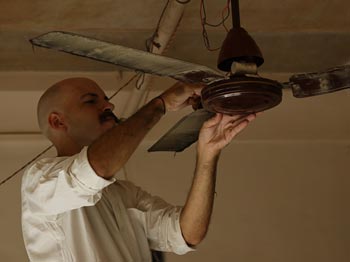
[
  {"x": 164, "y": 231},
  {"x": 161, "y": 222},
  {"x": 56, "y": 185}
]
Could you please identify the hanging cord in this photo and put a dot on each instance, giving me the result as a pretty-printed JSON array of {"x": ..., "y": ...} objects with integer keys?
[
  {"x": 183, "y": 2},
  {"x": 171, "y": 40},
  {"x": 23, "y": 167},
  {"x": 150, "y": 41},
  {"x": 140, "y": 80},
  {"x": 204, "y": 23},
  {"x": 150, "y": 44},
  {"x": 225, "y": 17},
  {"x": 123, "y": 86},
  {"x": 48, "y": 148}
]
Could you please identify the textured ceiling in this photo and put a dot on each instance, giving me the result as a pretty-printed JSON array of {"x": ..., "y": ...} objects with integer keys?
[{"x": 294, "y": 35}]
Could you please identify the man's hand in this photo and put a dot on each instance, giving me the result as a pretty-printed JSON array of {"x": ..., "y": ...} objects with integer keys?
[
  {"x": 219, "y": 131},
  {"x": 181, "y": 95}
]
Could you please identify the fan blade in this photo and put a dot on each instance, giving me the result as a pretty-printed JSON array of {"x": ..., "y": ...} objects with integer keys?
[
  {"x": 317, "y": 83},
  {"x": 184, "y": 133},
  {"x": 127, "y": 57}
]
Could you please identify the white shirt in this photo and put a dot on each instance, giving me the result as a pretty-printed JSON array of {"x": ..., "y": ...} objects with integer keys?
[{"x": 71, "y": 214}]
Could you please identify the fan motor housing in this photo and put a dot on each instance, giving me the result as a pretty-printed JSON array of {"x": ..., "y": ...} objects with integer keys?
[
  {"x": 238, "y": 46},
  {"x": 241, "y": 95}
]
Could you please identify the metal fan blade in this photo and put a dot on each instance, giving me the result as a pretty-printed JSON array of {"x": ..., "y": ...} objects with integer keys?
[
  {"x": 183, "y": 134},
  {"x": 317, "y": 83},
  {"x": 127, "y": 57}
]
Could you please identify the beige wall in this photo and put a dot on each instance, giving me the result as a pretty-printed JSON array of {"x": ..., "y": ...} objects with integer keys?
[{"x": 282, "y": 192}]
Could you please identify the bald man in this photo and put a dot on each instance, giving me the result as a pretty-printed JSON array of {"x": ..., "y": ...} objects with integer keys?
[{"x": 73, "y": 207}]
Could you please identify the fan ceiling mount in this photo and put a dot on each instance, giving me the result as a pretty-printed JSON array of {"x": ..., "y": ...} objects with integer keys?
[{"x": 242, "y": 92}]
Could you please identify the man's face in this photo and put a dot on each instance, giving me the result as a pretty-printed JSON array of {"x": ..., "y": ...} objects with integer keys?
[{"x": 88, "y": 113}]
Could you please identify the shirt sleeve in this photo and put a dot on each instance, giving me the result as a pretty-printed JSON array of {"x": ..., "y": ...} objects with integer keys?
[
  {"x": 55, "y": 185},
  {"x": 161, "y": 223}
]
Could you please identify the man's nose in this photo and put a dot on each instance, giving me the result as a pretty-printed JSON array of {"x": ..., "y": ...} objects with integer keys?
[{"x": 108, "y": 106}]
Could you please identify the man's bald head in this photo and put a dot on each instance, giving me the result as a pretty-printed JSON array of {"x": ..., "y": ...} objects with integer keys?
[{"x": 56, "y": 98}]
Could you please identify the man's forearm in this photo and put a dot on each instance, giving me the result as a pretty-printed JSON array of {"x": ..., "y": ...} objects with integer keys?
[
  {"x": 215, "y": 134},
  {"x": 110, "y": 152},
  {"x": 195, "y": 216}
]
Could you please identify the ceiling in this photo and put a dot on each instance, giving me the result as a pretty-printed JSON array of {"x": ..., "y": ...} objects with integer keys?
[{"x": 294, "y": 35}]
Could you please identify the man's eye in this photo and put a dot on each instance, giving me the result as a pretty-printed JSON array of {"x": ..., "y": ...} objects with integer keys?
[{"x": 90, "y": 101}]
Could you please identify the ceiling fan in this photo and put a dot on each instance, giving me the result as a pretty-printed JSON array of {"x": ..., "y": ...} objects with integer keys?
[{"x": 239, "y": 91}]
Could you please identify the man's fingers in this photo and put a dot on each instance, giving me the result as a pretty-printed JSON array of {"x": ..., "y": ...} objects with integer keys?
[
  {"x": 213, "y": 121},
  {"x": 236, "y": 119},
  {"x": 235, "y": 127},
  {"x": 251, "y": 117},
  {"x": 181, "y": 95},
  {"x": 240, "y": 126},
  {"x": 197, "y": 89},
  {"x": 227, "y": 121},
  {"x": 195, "y": 102}
]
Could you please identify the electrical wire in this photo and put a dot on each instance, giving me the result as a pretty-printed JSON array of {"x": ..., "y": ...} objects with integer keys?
[
  {"x": 204, "y": 22},
  {"x": 123, "y": 86},
  {"x": 140, "y": 80},
  {"x": 23, "y": 167},
  {"x": 150, "y": 41},
  {"x": 225, "y": 17},
  {"x": 150, "y": 44},
  {"x": 183, "y": 2}
]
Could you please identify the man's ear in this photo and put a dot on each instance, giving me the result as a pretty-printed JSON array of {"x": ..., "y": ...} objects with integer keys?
[{"x": 56, "y": 121}]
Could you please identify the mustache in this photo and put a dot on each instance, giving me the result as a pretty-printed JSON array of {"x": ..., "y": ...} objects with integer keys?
[{"x": 108, "y": 115}]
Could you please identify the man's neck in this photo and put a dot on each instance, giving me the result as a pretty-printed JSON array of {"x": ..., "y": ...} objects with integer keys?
[{"x": 68, "y": 149}]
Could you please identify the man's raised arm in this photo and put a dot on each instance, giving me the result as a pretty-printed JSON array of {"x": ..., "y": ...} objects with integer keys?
[
  {"x": 111, "y": 151},
  {"x": 215, "y": 134}
]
